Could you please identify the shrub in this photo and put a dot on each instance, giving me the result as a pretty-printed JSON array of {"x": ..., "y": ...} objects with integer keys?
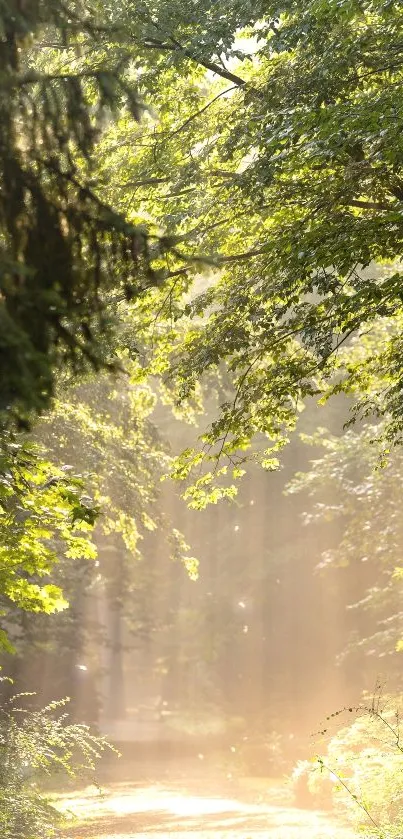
[
  {"x": 35, "y": 745},
  {"x": 366, "y": 759}
]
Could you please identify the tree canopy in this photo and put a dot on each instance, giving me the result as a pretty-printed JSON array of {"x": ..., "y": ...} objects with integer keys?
[
  {"x": 270, "y": 152},
  {"x": 274, "y": 156}
]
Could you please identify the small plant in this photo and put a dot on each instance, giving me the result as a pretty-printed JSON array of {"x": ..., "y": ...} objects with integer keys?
[
  {"x": 311, "y": 789},
  {"x": 35, "y": 745}
]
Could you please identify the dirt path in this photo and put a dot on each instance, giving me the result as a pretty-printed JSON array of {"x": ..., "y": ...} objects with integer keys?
[{"x": 184, "y": 811}]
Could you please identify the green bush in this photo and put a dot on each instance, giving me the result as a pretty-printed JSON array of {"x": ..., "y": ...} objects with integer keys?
[
  {"x": 365, "y": 758},
  {"x": 36, "y": 745}
]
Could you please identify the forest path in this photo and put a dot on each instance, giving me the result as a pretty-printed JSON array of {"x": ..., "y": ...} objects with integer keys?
[{"x": 183, "y": 810}]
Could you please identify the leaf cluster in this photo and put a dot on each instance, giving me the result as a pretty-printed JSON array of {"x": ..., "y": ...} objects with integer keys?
[{"x": 44, "y": 513}]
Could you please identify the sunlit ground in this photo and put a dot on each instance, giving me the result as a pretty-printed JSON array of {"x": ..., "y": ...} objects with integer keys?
[{"x": 125, "y": 811}]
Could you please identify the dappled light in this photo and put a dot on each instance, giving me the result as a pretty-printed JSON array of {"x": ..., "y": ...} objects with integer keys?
[{"x": 170, "y": 810}]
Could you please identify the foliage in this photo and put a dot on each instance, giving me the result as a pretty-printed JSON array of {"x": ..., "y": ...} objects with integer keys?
[
  {"x": 63, "y": 249},
  {"x": 44, "y": 513},
  {"x": 107, "y": 429},
  {"x": 33, "y": 745},
  {"x": 274, "y": 155},
  {"x": 262, "y": 158},
  {"x": 111, "y": 429},
  {"x": 364, "y": 760}
]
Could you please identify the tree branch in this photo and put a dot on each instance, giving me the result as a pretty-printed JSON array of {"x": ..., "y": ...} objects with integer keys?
[
  {"x": 175, "y": 46},
  {"x": 201, "y": 111}
]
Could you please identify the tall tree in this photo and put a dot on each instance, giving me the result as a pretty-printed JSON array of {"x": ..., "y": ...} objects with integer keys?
[{"x": 63, "y": 249}]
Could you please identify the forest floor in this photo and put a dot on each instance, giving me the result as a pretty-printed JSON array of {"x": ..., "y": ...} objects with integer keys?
[{"x": 189, "y": 808}]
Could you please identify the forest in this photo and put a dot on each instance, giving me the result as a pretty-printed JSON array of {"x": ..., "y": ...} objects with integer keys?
[{"x": 201, "y": 419}]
